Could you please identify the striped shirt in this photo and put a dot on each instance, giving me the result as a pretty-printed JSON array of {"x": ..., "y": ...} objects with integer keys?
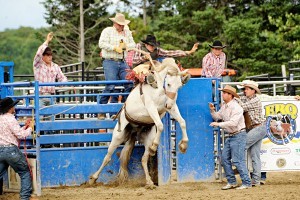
[
  {"x": 254, "y": 107},
  {"x": 212, "y": 65},
  {"x": 232, "y": 115},
  {"x": 10, "y": 130},
  {"x": 111, "y": 38},
  {"x": 138, "y": 57},
  {"x": 44, "y": 73}
]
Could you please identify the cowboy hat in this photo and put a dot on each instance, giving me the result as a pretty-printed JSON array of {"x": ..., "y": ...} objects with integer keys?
[
  {"x": 6, "y": 104},
  {"x": 120, "y": 19},
  {"x": 151, "y": 40},
  {"x": 217, "y": 45},
  {"x": 231, "y": 90},
  {"x": 250, "y": 84}
]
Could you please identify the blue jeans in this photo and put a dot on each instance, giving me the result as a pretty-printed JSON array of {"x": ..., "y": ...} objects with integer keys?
[
  {"x": 12, "y": 156},
  {"x": 114, "y": 70},
  {"x": 253, "y": 146},
  {"x": 234, "y": 154}
]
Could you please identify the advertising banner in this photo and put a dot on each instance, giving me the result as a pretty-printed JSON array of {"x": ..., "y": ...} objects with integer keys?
[{"x": 280, "y": 149}]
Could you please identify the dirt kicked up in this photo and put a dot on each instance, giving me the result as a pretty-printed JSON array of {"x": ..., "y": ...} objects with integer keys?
[{"x": 279, "y": 185}]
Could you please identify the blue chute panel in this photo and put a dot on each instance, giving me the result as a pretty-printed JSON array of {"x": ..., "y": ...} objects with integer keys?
[{"x": 197, "y": 164}]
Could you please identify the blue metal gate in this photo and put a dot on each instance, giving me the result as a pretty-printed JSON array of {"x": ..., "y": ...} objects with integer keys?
[{"x": 73, "y": 165}]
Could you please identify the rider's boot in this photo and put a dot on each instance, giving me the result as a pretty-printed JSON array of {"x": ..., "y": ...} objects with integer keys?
[{"x": 150, "y": 79}]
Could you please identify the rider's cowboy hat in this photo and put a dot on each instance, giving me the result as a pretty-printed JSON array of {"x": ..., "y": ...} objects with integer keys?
[
  {"x": 231, "y": 90},
  {"x": 120, "y": 19},
  {"x": 217, "y": 45},
  {"x": 151, "y": 40},
  {"x": 250, "y": 84},
  {"x": 6, "y": 104}
]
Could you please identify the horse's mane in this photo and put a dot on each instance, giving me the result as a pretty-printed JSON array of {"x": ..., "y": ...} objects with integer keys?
[{"x": 167, "y": 62}]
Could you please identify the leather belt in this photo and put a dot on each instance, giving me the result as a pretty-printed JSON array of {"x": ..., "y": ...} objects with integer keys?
[
  {"x": 255, "y": 125},
  {"x": 7, "y": 145},
  {"x": 114, "y": 59},
  {"x": 236, "y": 132}
]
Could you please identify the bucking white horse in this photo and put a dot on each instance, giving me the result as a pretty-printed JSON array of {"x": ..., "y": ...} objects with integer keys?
[{"x": 140, "y": 118}]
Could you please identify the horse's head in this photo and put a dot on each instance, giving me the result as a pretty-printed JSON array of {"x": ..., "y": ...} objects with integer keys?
[{"x": 174, "y": 79}]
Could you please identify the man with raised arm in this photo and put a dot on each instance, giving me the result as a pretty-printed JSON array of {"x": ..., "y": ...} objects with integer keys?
[{"x": 46, "y": 71}]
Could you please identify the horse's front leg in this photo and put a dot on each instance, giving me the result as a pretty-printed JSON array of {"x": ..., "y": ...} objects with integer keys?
[
  {"x": 175, "y": 113},
  {"x": 117, "y": 138},
  {"x": 152, "y": 110}
]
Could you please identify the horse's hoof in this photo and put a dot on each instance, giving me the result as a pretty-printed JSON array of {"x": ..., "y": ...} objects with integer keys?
[
  {"x": 151, "y": 152},
  {"x": 183, "y": 146},
  {"x": 92, "y": 180},
  {"x": 150, "y": 186}
]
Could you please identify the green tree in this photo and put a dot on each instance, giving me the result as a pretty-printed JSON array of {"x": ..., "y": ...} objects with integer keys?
[
  {"x": 63, "y": 16},
  {"x": 19, "y": 46}
]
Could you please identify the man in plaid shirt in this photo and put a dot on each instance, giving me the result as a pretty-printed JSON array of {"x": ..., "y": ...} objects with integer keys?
[
  {"x": 213, "y": 63},
  {"x": 151, "y": 46},
  {"x": 113, "y": 43},
  {"x": 46, "y": 71},
  {"x": 252, "y": 104}
]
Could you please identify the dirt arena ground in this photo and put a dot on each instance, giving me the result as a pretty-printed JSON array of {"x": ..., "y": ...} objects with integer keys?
[{"x": 280, "y": 185}]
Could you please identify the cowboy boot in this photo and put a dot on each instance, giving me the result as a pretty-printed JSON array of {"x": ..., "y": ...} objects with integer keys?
[{"x": 150, "y": 79}]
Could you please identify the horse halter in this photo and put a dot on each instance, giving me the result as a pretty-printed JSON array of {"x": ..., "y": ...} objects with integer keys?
[{"x": 170, "y": 95}]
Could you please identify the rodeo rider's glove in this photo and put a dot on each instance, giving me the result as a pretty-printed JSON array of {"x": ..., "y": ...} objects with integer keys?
[{"x": 118, "y": 49}]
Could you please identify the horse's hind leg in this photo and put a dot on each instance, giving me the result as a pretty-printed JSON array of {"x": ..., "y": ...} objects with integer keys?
[
  {"x": 147, "y": 143},
  {"x": 124, "y": 159},
  {"x": 117, "y": 139}
]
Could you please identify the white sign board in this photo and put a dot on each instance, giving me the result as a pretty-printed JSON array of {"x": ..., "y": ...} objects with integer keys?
[{"x": 280, "y": 149}]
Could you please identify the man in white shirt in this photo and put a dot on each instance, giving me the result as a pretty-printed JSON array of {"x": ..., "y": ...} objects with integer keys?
[{"x": 233, "y": 123}]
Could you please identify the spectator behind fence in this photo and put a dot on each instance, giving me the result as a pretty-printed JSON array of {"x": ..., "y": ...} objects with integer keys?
[
  {"x": 46, "y": 71},
  {"x": 113, "y": 42},
  {"x": 10, "y": 155},
  {"x": 214, "y": 62},
  {"x": 233, "y": 153},
  {"x": 257, "y": 130}
]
